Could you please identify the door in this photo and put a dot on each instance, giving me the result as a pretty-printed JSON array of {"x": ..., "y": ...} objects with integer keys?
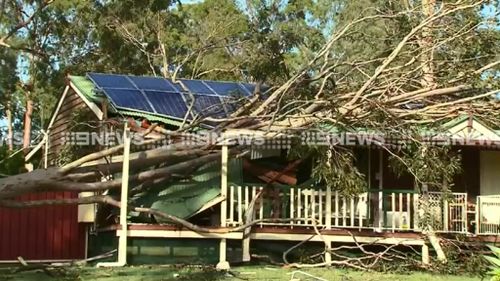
[
  {"x": 489, "y": 205},
  {"x": 490, "y": 173}
]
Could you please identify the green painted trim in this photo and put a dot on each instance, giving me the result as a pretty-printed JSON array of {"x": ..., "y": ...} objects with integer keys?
[
  {"x": 86, "y": 87},
  {"x": 150, "y": 117}
]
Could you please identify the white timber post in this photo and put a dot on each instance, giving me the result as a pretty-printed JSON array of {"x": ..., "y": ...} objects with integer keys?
[
  {"x": 122, "y": 254},
  {"x": 477, "y": 215},
  {"x": 380, "y": 187},
  {"x": 122, "y": 240},
  {"x": 446, "y": 215},
  {"x": 328, "y": 202},
  {"x": 465, "y": 219},
  {"x": 328, "y": 255},
  {"x": 223, "y": 264},
  {"x": 425, "y": 254}
]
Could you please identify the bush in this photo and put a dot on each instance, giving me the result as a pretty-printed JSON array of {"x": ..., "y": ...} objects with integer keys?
[{"x": 494, "y": 263}]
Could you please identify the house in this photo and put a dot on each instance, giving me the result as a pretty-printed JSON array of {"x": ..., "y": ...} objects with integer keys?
[{"x": 280, "y": 195}]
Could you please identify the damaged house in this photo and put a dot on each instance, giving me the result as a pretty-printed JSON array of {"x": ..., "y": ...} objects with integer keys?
[{"x": 262, "y": 186}]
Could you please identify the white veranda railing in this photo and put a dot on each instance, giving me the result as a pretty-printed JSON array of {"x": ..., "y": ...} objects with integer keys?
[
  {"x": 325, "y": 208},
  {"x": 488, "y": 215}
]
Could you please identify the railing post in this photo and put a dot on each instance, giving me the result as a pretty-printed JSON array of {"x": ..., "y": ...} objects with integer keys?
[
  {"x": 292, "y": 205},
  {"x": 408, "y": 208},
  {"x": 247, "y": 197},
  {"x": 353, "y": 211},
  {"x": 299, "y": 205},
  {"x": 360, "y": 218},
  {"x": 231, "y": 204},
  {"x": 313, "y": 204},
  {"x": 344, "y": 211},
  {"x": 261, "y": 200},
  {"x": 380, "y": 209},
  {"x": 393, "y": 210},
  {"x": 446, "y": 215},
  {"x": 464, "y": 214},
  {"x": 400, "y": 197},
  {"x": 336, "y": 208},
  {"x": 328, "y": 207},
  {"x": 416, "y": 211},
  {"x": 320, "y": 207},
  {"x": 478, "y": 209},
  {"x": 240, "y": 207},
  {"x": 306, "y": 205}
]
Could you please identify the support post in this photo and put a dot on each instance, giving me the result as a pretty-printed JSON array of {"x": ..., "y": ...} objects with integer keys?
[
  {"x": 122, "y": 240},
  {"x": 416, "y": 213},
  {"x": 477, "y": 214},
  {"x": 380, "y": 175},
  {"x": 446, "y": 215},
  {"x": 223, "y": 264},
  {"x": 122, "y": 253},
  {"x": 328, "y": 255},
  {"x": 425, "y": 254}
]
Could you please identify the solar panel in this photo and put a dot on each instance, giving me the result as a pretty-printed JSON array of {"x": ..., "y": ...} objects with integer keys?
[
  {"x": 167, "y": 103},
  {"x": 205, "y": 106},
  {"x": 164, "y": 97},
  {"x": 130, "y": 99},
  {"x": 226, "y": 88},
  {"x": 153, "y": 83},
  {"x": 250, "y": 88},
  {"x": 197, "y": 86},
  {"x": 111, "y": 81}
]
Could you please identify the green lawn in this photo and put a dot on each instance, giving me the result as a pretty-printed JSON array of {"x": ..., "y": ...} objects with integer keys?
[{"x": 146, "y": 273}]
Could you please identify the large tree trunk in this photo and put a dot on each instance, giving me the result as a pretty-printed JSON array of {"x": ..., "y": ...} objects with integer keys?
[{"x": 73, "y": 177}]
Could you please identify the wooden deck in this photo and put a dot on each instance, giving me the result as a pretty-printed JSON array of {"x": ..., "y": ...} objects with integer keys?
[{"x": 291, "y": 234}]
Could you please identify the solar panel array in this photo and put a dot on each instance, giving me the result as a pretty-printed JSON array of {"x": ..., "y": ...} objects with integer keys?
[{"x": 164, "y": 97}]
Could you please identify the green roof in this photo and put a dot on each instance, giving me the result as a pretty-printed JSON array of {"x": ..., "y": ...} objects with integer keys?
[{"x": 85, "y": 87}]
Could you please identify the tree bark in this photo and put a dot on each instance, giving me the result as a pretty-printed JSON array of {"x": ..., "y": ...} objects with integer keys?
[
  {"x": 52, "y": 180},
  {"x": 10, "y": 130},
  {"x": 27, "y": 124},
  {"x": 426, "y": 43}
]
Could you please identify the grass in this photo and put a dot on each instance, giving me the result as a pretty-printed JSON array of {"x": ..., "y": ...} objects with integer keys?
[{"x": 167, "y": 273}]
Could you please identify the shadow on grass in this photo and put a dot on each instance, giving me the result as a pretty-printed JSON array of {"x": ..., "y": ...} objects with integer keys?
[{"x": 116, "y": 274}]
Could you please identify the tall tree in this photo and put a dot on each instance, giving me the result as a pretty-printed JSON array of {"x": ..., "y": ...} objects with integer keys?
[{"x": 8, "y": 82}]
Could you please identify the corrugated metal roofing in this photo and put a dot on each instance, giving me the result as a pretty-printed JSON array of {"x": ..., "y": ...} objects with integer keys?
[
  {"x": 184, "y": 198},
  {"x": 86, "y": 87},
  {"x": 150, "y": 117}
]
